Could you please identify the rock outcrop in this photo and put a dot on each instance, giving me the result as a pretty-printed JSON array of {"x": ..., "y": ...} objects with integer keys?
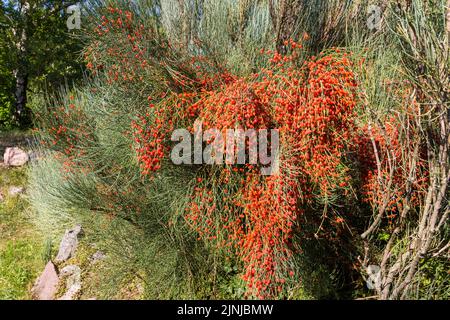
[
  {"x": 15, "y": 157},
  {"x": 68, "y": 244},
  {"x": 47, "y": 284}
]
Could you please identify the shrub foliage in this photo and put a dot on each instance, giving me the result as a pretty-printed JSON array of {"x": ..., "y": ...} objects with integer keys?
[{"x": 363, "y": 163}]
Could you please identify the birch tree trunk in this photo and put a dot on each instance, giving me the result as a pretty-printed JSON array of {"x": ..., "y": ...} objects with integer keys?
[{"x": 21, "y": 71}]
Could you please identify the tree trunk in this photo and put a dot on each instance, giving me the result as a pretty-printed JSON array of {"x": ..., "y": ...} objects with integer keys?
[
  {"x": 21, "y": 72},
  {"x": 20, "y": 93}
]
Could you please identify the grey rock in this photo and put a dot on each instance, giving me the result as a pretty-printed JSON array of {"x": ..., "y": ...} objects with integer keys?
[
  {"x": 68, "y": 244},
  {"x": 47, "y": 284},
  {"x": 72, "y": 274},
  {"x": 15, "y": 157},
  {"x": 97, "y": 256}
]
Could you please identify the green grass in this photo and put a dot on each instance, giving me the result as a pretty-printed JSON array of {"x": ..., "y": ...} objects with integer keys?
[
  {"x": 19, "y": 266},
  {"x": 20, "y": 245}
]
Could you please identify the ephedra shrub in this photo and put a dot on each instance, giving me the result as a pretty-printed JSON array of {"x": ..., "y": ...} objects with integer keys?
[
  {"x": 187, "y": 224},
  {"x": 233, "y": 208},
  {"x": 112, "y": 140}
]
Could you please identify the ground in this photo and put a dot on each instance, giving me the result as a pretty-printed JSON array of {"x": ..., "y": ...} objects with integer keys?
[
  {"x": 24, "y": 251},
  {"x": 21, "y": 247}
]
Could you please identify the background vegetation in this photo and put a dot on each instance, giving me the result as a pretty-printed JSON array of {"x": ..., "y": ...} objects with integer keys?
[{"x": 39, "y": 56}]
